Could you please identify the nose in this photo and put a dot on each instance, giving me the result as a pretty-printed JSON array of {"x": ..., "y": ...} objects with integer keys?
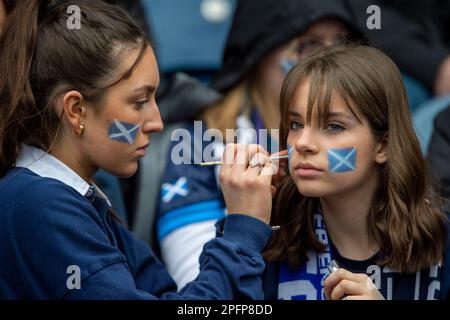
[
  {"x": 153, "y": 122},
  {"x": 329, "y": 42},
  {"x": 305, "y": 142}
]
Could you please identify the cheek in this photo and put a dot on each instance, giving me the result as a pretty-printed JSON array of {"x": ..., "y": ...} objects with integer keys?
[
  {"x": 117, "y": 160},
  {"x": 345, "y": 169},
  {"x": 355, "y": 170},
  {"x": 271, "y": 76},
  {"x": 342, "y": 160},
  {"x": 271, "y": 85},
  {"x": 365, "y": 165},
  {"x": 123, "y": 132},
  {"x": 352, "y": 161},
  {"x": 105, "y": 150}
]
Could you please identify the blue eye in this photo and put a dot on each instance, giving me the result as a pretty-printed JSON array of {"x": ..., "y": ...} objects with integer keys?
[
  {"x": 334, "y": 128},
  {"x": 141, "y": 104},
  {"x": 295, "y": 125}
]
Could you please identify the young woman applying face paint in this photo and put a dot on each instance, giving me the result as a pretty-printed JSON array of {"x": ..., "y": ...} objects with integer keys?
[
  {"x": 358, "y": 191},
  {"x": 73, "y": 101},
  {"x": 257, "y": 57}
]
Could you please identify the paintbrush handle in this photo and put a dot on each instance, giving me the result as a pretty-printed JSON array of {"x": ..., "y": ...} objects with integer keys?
[{"x": 215, "y": 163}]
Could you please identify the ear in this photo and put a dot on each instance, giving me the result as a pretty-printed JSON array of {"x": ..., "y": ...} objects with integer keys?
[
  {"x": 74, "y": 108},
  {"x": 382, "y": 153}
]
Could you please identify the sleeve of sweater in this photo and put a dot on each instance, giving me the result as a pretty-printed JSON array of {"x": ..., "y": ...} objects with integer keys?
[{"x": 57, "y": 228}]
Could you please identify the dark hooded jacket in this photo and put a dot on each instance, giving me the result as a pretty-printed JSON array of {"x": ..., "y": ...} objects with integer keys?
[
  {"x": 438, "y": 155},
  {"x": 261, "y": 26},
  {"x": 414, "y": 33}
]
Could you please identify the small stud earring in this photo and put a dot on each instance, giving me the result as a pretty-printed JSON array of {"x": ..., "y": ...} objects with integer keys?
[{"x": 80, "y": 132}]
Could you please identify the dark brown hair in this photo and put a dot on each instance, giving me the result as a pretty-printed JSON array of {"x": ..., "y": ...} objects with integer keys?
[
  {"x": 41, "y": 58},
  {"x": 406, "y": 218}
]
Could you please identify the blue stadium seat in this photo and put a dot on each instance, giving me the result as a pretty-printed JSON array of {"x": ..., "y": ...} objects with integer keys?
[
  {"x": 189, "y": 34},
  {"x": 416, "y": 91}
]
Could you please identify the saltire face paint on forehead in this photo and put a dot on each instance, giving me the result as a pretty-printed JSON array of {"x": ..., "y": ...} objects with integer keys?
[{"x": 123, "y": 131}]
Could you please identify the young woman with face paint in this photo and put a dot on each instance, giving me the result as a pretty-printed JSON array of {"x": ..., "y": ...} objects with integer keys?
[
  {"x": 76, "y": 100},
  {"x": 256, "y": 60},
  {"x": 358, "y": 191}
]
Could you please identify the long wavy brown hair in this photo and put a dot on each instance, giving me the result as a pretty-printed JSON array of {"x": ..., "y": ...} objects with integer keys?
[{"x": 406, "y": 218}]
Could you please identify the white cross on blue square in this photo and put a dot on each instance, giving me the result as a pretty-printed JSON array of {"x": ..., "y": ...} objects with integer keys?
[{"x": 342, "y": 159}]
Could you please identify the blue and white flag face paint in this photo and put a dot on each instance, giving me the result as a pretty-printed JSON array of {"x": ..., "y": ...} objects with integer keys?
[
  {"x": 123, "y": 131},
  {"x": 290, "y": 151},
  {"x": 287, "y": 65},
  {"x": 341, "y": 160}
]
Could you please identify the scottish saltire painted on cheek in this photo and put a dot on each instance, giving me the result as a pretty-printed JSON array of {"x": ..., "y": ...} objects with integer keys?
[
  {"x": 341, "y": 160},
  {"x": 123, "y": 131},
  {"x": 290, "y": 152},
  {"x": 287, "y": 65}
]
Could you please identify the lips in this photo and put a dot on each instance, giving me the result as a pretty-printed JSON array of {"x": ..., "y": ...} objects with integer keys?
[
  {"x": 142, "y": 150},
  {"x": 144, "y": 146},
  {"x": 307, "y": 170},
  {"x": 306, "y": 166}
]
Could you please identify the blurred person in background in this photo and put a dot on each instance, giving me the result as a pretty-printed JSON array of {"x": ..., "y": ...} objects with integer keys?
[
  {"x": 415, "y": 34},
  {"x": 438, "y": 155}
]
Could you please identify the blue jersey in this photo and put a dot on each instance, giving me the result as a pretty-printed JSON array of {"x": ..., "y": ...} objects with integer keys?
[
  {"x": 190, "y": 204},
  {"x": 191, "y": 200},
  {"x": 189, "y": 192}
]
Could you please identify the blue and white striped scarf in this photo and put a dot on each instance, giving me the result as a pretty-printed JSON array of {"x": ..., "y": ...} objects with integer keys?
[{"x": 307, "y": 282}]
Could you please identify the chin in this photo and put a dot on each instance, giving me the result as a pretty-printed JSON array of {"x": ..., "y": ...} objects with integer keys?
[
  {"x": 311, "y": 189},
  {"x": 124, "y": 172},
  {"x": 311, "y": 193}
]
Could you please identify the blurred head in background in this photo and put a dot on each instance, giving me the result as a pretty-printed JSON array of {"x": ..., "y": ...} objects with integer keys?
[{"x": 266, "y": 40}]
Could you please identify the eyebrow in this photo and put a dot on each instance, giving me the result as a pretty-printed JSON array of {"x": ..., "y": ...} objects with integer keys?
[
  {"x": 294, "y": 113},
  {"x": 146, "y": 88},
  {"x": 330, "y": 115},
  {"x": 341, "y": 114}
]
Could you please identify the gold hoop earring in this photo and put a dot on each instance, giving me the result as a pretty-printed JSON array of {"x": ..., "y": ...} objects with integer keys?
[{"x": 80, "y": 132}]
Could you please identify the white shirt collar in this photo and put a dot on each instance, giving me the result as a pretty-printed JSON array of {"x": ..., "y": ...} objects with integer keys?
[{"x": 45, "y": 165}]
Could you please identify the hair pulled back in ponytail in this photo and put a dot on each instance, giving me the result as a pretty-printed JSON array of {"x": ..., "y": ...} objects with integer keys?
[{"x": 41, "y": 58}]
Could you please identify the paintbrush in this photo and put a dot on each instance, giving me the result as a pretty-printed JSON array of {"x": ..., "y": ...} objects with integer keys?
[{"x": 214, "y": 163}]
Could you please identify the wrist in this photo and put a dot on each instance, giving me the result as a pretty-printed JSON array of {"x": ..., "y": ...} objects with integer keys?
[{"x": 244, "y": 229}]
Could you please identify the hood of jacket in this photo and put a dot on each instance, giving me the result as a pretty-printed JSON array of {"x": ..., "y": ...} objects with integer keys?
[{"x": 261, "y": 26}]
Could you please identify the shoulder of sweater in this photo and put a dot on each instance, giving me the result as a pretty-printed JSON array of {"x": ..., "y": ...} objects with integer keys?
[{"x": 25, "y": 192}]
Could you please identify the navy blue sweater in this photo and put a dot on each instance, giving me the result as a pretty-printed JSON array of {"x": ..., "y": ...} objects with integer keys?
[{"x": 47, "y": 228}]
